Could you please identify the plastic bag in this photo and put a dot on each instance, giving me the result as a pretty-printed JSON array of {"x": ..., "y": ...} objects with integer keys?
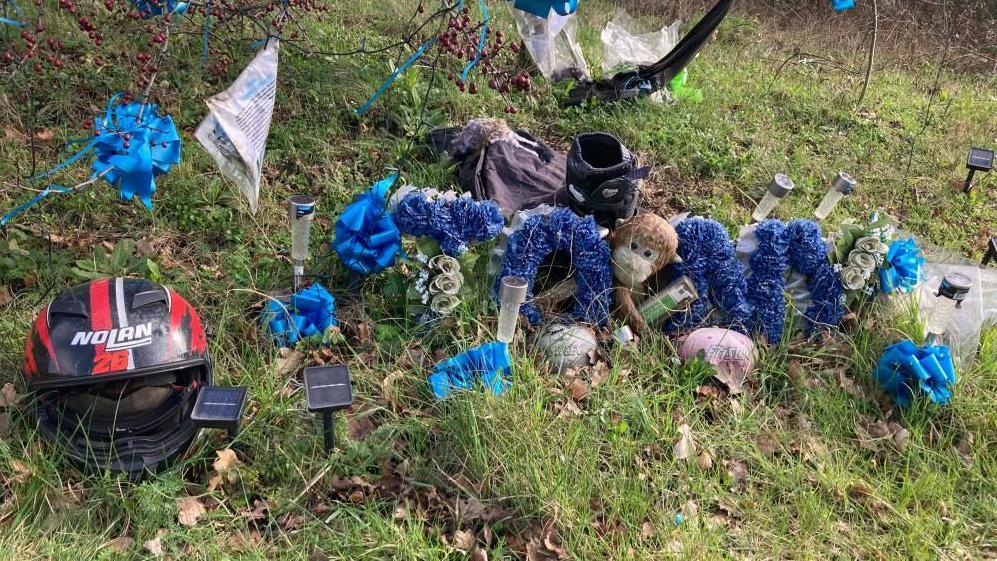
[
  {"x": 238, "y": 123},
  {"x": 977, "y": 310},
  {"x": 553, "y": 44},
  {"x": 627, "y": 44}
]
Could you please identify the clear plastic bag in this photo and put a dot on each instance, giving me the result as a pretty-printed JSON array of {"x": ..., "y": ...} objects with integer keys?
[
  {"x": 553, "y": 44},
  {"x": 627, "y": 44}
]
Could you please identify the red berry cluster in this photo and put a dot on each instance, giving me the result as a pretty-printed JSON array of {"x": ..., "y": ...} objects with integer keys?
[{"x": 459, "y": 44}]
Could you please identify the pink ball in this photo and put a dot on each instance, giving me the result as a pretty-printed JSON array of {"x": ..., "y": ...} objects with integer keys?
[{"x": 729, "y": 352}]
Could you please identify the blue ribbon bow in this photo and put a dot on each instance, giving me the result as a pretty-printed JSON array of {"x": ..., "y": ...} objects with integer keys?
[
  {"x": 903, "y": 267},
  {"x": 147, "y": 9},
  {"x": 490, "y": 363},
  {"x": 842, "y": 5},
  {"x": 542, "y": 8},
  {"x": 367, "y": 239},
  {"x": 904, "y": 367},
  {"x": 311, "y": 312}
]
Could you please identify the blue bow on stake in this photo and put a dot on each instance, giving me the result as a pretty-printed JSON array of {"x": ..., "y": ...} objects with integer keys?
[
  {"x": 147, "y": 9},
  {"x": 903, "y": 267},
  {"x": 490, "y": 363},
  {"x": 310, "y": 312},
  {"x": 367, "y": 239},
  {"x": 542, "y": 8},
  {"x": 904, "y": 367}
]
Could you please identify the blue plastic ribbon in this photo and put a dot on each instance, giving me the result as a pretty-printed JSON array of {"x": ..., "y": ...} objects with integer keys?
[
  {"x": 147, "y": 9},
  {"x": 13, "y": 22},
  {"x": 35, "y": 200},
  {"x": 490, "y": 363},
  {"x": 481, "y": 42},
  {"x": 311, "y": 311},
  {"x": 904, "y": 368},
  {"x": 542, "y": 8},
  {"x": 842, "y": 5},
  {"x": 903, "y": 267},
  {"x": 367, "y": 239},
  {"x": 394, "y": 76},
  {"x": 18, "y": 11}
]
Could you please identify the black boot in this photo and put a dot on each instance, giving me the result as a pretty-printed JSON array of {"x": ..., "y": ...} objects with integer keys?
[{"x": 603, "y": 178}]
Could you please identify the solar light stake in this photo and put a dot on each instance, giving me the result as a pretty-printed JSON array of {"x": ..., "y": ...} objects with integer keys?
[
  {"x": 327, "y": 390},
  {"x": 301, "y": 212},
  {"x": 991, "y": 254},
  {"x": 979, "y": 159},
  {"x": 780, "y": 187},
  {"x": 219, "y": 408},
  {"x": 951, "y": 292},
  {"x": 843, "y": 185},
  {"x": 511, "y": 296}
]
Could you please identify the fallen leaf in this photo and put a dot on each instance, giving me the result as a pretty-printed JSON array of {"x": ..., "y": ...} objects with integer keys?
[
  {"x": 359, "y": 426},
  {"x": 155, "y": 545},
  {"x": 567, "y": 409},
  {"x": 704, "y": 461},
  {"x": 767, "y": 444},
  {"x": 738, "y": 471},
  {"x": 965, "y": 449},
  {"x": 478, "y": 554},
  {"x": 401, "y": 513},
  {"x": 259, "y": 511},
  {"x": 21, "y": 471},
  {"x": 289, "y": 361},
  {"x": 685, "y": 446},
  {"x": 599, "y": 373},
  {"x": 579, "y": 389},
  {"x": 5, "y": 296},
  {"x": 4, "y": 425},
  {"x": 554, "y": 543},
  {"x": 121, "y": 544},
  {"x": 463, "y": 540},
  {"x": 390, "y": 388},
  {"x": 690, "y": 509},
  {"x": 9, "y": 396},
  {"x": 794, "y": 370},
  {"x": 847, "y": 384},
  {"x": 318, "y": 555},
  {"x": 227, "y": 460},
  {"x": 44, "y": 135},
  {"x": 646, "y": 530},
  {"x": 190, "y": 510}
]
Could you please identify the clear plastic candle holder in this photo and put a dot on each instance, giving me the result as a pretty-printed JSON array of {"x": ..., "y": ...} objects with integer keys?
[
  {"x": 948, "y": 300},
  {"x": 843, "y": 185},
  {"x": 301, "y": 212},
  {"x": 512, "y": 294},
  {"x": 780, "y": 187}
]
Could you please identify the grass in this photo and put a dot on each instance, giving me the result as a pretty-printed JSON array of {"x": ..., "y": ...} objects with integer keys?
[{"x": 789, "y": 475}]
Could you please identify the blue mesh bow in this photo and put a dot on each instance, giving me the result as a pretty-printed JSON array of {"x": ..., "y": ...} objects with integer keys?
[
  {"x": 132, "y": 151},
  {"x": 903, "y": 266},
  {"x": 542, "y": 8},
  {"x": 367, "y": 239},
  {"x": 310, "y": 312},
  {"x": 147, "y": 9},
  {"x": 904, "y": 368},
  {"x": 490, "y": 363},
  {"x": 842, "y": 5}
]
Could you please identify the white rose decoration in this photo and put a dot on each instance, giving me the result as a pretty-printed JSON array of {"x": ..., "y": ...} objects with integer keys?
[
  {"x": 446, "y": 284},
  {"x": 871, "y": 244},
  {"x": 853, "y": 278},
  {"x": 444, "y": 264},
  {"x": 863, "y": 261},
  {"x": 444, "y": 303}
]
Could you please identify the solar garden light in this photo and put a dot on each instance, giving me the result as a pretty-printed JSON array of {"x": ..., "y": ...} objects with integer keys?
[
  {"x": 948, "y": 300},
  {"x": 991, "y": 254},
  {"x": 979, "y": 159},
  {"x": 676, "y": 296},
  {"x": 219, "y": 408},
  {"x": 842, "y": 185},
  {"x": 780, "y": 187},
  {"x": 512, "y": 294},
  {"x": 301, "y": 211},
  {"x": 327, "y": 390}
]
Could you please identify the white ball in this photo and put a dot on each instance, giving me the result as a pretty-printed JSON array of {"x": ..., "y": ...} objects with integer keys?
[{"x": 566, "y": 345}]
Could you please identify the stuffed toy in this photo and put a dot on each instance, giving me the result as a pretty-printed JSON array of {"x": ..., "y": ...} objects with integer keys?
[{"x": 642, "y": 246}]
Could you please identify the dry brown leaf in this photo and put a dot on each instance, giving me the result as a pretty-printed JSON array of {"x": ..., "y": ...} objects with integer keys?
[
  {"x": 259, "y": 511},
  {"x": 690, "y": 509},
  {"x": 190, "y": 510},
  {"x": 794, "y": 370},
  {"x": 767, "y": 444},
  {"x": 554, "y": 543},
  {"x": 738, "y": 471},
  {"x": 646, "y": 530},
  {"x": 599, "y": 373},
  {"x": 318, "y": 555},
  {"x": 705, "y": 460},
  {"x": 401, "y": 513},
  {"x": 5, "y": 296},
  {"x": 391, "y": 389},
  {"x": 4, "y": 425},
  {"x": 463, "y": 540},
  {"x": 44, "y": 135},
  {"x": 478, "y": 554},
  {"x": 965, "y": 449},
  {"x": 847, "y": 384},
  {"x": 227, "y": 460},
  {"x": 359, "y": 426},
  {"x": 289, "y": 361},
  {"x": 579, "y": 389},
  {"x": 155, "y": 545},
  {"x": 685, "y": 446},
  {"x": 120, "y": 544},
  {"x": 567, "y": 409},
  {"x": 9, "y": 396},
  {"x": 20, "y": 471}
]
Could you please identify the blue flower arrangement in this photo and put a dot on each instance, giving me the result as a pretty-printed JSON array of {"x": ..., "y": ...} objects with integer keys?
[
  {"x": 452, "y": 223},
  {"x": 808, "y": 255},
  {"x": 767, "y": 283},
  {"x": 905, "y": 368},
  {"x": 711, "y": 265},
  {"x": 562, "y": 230},
  {"x": 367, "y": 239}
]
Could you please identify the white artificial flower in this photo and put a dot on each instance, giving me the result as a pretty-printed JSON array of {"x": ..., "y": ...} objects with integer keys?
[
  {"x": 871, "y": 244},
  {"x": 853, "y": 278},
  {"x": 863, "y": 261}
]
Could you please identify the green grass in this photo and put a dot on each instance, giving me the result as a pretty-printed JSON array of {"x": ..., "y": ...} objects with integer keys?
[{"x": 605, "y": 479}]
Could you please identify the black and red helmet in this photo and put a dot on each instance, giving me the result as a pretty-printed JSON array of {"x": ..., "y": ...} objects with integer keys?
[{"x": 116, "y": 365}]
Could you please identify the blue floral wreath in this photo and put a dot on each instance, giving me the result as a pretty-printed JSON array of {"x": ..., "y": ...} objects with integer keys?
[
  {"x": 562, "y": 230},
  {"x": 453, "y": 224},
  {"x": 710, "y": 263},
  {"x": 808, "y": 255},
  {"x": 767, "y": 283}
]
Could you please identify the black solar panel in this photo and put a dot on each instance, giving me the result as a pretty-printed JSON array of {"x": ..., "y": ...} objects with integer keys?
[
  {"x": 980, "y": 159},
  {"x": 218, "y": 407},
  {"x": 327, "y": 388}
]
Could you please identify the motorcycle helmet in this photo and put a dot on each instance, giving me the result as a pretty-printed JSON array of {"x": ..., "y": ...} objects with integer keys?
[{"x": 115, "y": 365}]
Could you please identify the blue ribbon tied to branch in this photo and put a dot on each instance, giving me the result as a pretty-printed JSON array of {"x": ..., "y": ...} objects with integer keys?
[
  {"x": 490, "y": 363},
  {"x": 367, "y": 239},
  {"x": 542, "y": 8},
  {"x": 906, "y": 368},
  {"x": 311, "y": 311},
  {"x": 147, "y": 9},
  {"x": 903, "y": 267}
]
